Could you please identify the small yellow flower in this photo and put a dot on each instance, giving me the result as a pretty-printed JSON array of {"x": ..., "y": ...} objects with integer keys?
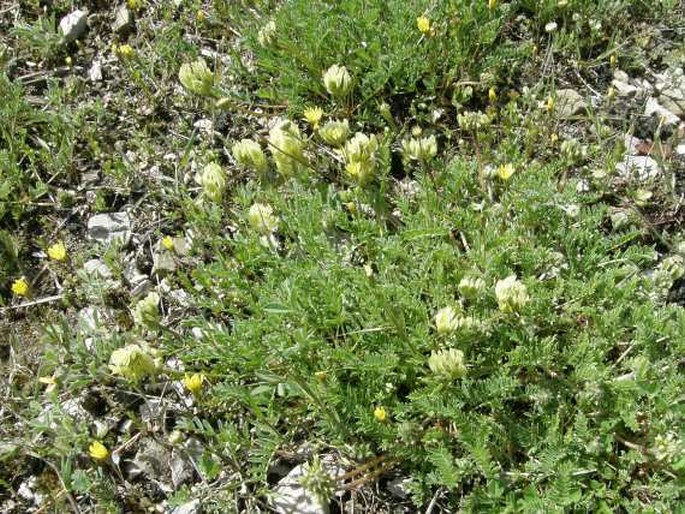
[
  {"x": 200, "y": 15},
  {"x": 136, "y": 5},
  {"x": 613, "y": 60},
  {"x": 492, "y": 95},
  {"x": 193, "y": 383},
  {"x": 68, "y": 60},
  {"x": 321, "y": 375},
  {"x": 505, "y": 171},
  {"x": 380, "y": 414},
  {"x": 58, "y": 251},
  {"x": 20, "y": 287},
  {"x": 423, "y": 24},
  {"x": 98, "y": 451},
  {"x": 549, "y": 104},
  {"x": 492, "y": 4},
  {"x": 168, "y": 243},
  {"x": 50, "y": 382},
  {"x": 313, "y": 115},
  {"x": 125, "y": 51}
]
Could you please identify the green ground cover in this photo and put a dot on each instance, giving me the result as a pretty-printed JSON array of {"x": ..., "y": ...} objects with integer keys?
[{"x": 370, "y": 230}]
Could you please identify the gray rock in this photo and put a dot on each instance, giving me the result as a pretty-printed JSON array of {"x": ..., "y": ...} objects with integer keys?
[
  {"x": 73, "y": 25},
  {"x": 671, "y": 87},
  {"x": 95, "y": 72},
  {"x": 569, "y": 103},
  {"x": 665, "y": 115},
  {"x": 290, "y": 497},
  {"x": 152, "y": 459},
  {"x": 109, "y": 227},
  {"x": 91, "y": 319},
  {"x": 632, "y": 144},
  {"x": 191, "y": 507},
  {"x": 123, "y": 20},
  {"x": 622, "y": 84},
  {"x": 98, "y": 268},
  {"x": 399, "y": 487},
  {"x": 640, "y": 167},
  {"x": 181, "y": 470}
]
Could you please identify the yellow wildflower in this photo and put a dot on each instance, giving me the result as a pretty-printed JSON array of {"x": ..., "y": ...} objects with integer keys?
[
  {"x": 168, "y": 242},
  {"x": 58, "y": 251},
  {"x": 125, "y": 51},
  {"x": 136, "y": 5},
  {"x": 98, "y": 451},
  {"x": 380, "y": 414},
  {"x": 505, "y": 171},
  {"x": 423, "y": 24},
  {"x": 492, "y": 4},
  {"x": 492, "y": 95},
  {"x": 193, "y": 383},
  {"x": 313, "y": 115},
  {"x": 20, "y": 287}
]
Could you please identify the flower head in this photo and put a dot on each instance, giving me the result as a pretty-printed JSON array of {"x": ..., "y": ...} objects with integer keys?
[
  {"x": 313, "y": 115},
  {"x": 193, "y": 383},
  {"x": 420, "y": 149},
  {"x": 262, "y": 219},
  {"x": 423, "y": 24},
  {"x": 146, "y": 311},
  {"x": 380, "y": 414},
  {"x": 360, "y": 155},
  {"x": 473, "y": 121},
  {"x": 505, "y": 171},
  {"x": 267, "y": 34},
  {"x": 492, "y": 95},
  {"x": 511, "y": 294},
  {"x": 132, "y": 362},
  {"x": 98, "y": 451},
  {"x": 471, "y": 287},
  {"x": 335, "y": 133},
  {"x": 20, "y": 287},
  {"x": 168, "y": 243},
  {"x": 337, "y": 81},
  {"x": 249, "y": 154},
  {"x": 58, "y": 251},
  {"x": 212, "y": 178},
  {"x": 287, "y": 148},
  {"x": 448, "y": 363},
  {"x": 197, "y": 78},
  {"x": 124, "y": 51},
  {"x": 446, "y": 320}
]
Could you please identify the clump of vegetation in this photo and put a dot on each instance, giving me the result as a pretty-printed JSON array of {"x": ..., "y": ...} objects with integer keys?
[{"x": 389, "y": 246}]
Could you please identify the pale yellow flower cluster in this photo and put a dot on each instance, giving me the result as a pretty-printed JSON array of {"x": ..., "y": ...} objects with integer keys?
[
  {"x": 511, "y": 294},
  {"x": 249, "y": 154},
  {"x": 360, "y": 155},
  {"x": 337, "y": 81},
  {"x": 197, "y": 78},
  {"x": 287, "y": 148},
  {"x": 133, "y": 362},
  {"x": 212, "y": 178},
  {"x": 448, "y": 364}
]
